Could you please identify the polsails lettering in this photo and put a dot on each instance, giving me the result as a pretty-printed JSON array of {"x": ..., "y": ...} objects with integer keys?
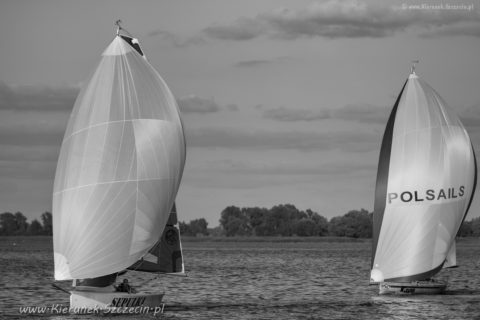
[{"x": 428, "y": 195}]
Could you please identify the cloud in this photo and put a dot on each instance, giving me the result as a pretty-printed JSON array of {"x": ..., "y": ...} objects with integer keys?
[
  {"x": 251, "y": 63},
  {"x": 347, "y": 19},
  {"x": 260, "y": 62},
  {"x": 298, "y": 140},
  {"x": 37, "y": 98},
  {"x": 175, "y": 40},
  {"x": 196, "y": 104},
  {"x": 364, "y": 113},
  {"x": 29, "y": 152},
  {"x": 290, "y": 115},
  {"x": 242, "y": 29},
  {"x": 345, "y": 166},
  {"x": 33, "y": 115},
  {"x": 471, "y": 117},
  {"x": 32, "y": 125},
  {"x": 20, "y": 169},
  {"x": 232, "y": 107},
  {"x": 461, "y": 29},
  {"x": 32, "y": 137}
]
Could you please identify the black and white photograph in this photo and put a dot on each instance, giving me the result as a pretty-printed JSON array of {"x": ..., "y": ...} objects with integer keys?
[{"x": 239, "y": 159}]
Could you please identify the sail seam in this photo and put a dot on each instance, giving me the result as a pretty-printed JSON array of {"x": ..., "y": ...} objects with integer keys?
[
  {"x": 109, "y": 122},
  {"x": 108, "y": 182},
  {"x": 429, "y": 128}
]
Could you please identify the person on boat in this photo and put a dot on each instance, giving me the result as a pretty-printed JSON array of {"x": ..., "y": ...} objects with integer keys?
[{"x": 125, "y": 287}]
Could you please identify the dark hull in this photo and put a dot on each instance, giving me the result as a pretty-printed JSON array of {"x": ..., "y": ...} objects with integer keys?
[{"x": 416, "y": 287}]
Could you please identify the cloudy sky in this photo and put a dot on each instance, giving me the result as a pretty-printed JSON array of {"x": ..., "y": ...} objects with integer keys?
[{"x": 284, "y": 101}]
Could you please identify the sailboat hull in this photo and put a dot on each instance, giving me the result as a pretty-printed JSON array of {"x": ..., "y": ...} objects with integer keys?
[
  {"x": 416, "y": 287},
  {"x": 90, "y": 302}
]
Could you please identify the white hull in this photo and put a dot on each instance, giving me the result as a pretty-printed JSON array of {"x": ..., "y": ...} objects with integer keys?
[
  {"x": 89, "y": 302},
  {"x": 416, "y": 287}
]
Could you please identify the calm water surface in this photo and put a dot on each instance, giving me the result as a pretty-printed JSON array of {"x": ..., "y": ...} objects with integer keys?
[{"x": 252, "y": 280}]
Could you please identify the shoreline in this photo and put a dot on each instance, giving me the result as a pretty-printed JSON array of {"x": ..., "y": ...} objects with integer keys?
[{"x": 316, "y": 239}]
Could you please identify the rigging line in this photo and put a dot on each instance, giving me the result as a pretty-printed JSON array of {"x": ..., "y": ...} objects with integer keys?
[{"x": 60, "y": 288}]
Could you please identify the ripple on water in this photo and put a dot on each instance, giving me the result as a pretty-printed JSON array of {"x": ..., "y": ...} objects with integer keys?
[{"x": 256, "y": 281}]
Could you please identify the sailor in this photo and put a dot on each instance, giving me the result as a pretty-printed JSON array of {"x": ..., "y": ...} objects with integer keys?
[{"x": 125, "y": 287}]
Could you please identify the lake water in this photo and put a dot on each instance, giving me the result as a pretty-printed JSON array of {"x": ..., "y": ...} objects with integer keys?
[{"x": 252, "y": 280}]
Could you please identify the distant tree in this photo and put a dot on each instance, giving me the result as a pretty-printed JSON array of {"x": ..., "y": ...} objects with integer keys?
[
  {"x": 282, "y": 219},
  {"x": 13, "y": 224},
  {"x": 235, "y": 227},
  {"x": 35, "y": 228},
  {"x": 465, "y": 229},
  {"x": 8, "y": 224},
  {"x": 337, "y": 227},
  {"x": 256, "y": 218},
  {"x": 216, "y": 232},
  {"x": 305, "y": 227},
  {"x": 199, "y": 226},
  {"x": 194, "y": 227},
  {"x": 184, "y": 229},
  {"x": 355, "y": 224},
  {"x": 47, "y": 223},
  {"x": 21, "y": 224},
  {"x": 321, "y": 223},
  {"x": 234, "y": 221},
  {"x": 475, "y": 222}
]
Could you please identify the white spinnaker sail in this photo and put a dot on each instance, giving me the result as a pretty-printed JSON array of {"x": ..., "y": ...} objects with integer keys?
[
  {"x": 425, "y": 184},
  {"x": 119, "y": 167}
]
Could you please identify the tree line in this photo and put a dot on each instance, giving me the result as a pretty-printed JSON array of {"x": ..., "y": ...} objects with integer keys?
[
  {"x": 17, "y": 224},
  {"x": 287, "y": 220},
  {"x": 281, "y": 220}
]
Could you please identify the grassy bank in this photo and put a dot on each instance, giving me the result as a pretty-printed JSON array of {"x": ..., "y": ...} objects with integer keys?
[
  {"x": 41, "y": 241},
  {"x": 271, "y": 239}
]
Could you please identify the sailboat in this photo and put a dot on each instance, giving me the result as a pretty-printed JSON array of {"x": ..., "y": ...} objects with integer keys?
[
  {"x": 425, "y": 184},
  {"x": 118, "y": 173}
]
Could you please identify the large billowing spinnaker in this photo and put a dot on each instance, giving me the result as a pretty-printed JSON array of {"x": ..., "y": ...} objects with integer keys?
[
  {"x": 425, "y": 184},
  {"x": 119, "y": 168}
]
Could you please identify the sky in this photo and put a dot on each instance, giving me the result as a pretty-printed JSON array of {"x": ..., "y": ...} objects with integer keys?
[{"x": 283, "y": 101}]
